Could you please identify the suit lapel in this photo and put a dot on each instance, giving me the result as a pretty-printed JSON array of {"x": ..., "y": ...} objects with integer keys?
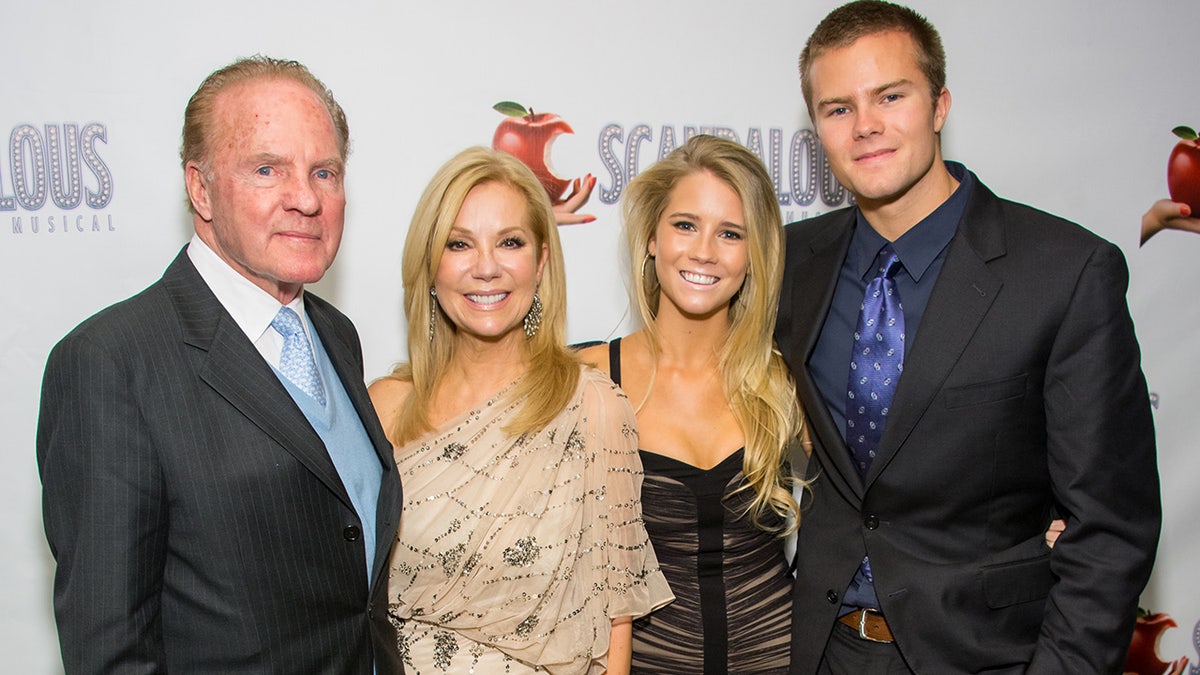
[
  {"x": 809, "y": 300},
  {"x": 234, "y": 368},
  {"x": 962, "y": 295},
  {"x": 342, "y": 349}
]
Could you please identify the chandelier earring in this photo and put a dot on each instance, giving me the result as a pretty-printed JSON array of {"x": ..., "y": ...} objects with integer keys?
[{"x": 533, "y": 320}]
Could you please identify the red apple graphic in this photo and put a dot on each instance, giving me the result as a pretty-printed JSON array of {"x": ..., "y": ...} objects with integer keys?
[
  {"x": 1183, "y": 169},
  {"x": 528, "y": 136},
  {"x": 1143, "y": 658}
]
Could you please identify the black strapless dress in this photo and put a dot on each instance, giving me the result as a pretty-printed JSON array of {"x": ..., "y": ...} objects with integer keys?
[{"x": 732, "y": 612}]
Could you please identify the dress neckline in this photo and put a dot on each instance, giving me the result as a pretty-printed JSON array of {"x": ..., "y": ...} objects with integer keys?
[
  {"x": 614, "y": 373},
  {"x": 730, "y": 458},
  {"x": 473, "y": 410}
]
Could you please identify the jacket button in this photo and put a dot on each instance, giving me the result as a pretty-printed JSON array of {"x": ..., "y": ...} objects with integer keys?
[
  {"x": 351, "y": 533},
  {"x": 831, "y": 596},
  {"x": 871, "y": 522}
]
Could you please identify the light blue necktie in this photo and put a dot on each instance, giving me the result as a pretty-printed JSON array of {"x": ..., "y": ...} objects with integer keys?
[{"x": 296, "y": 360}]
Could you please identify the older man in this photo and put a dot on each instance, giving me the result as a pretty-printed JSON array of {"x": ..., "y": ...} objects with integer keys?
[
  {"x": 218, "y": 493},
  {"x": 970, "y": 370}
]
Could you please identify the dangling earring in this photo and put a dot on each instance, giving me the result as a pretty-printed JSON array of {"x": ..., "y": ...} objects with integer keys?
[
  {"x": 432, "y": 312},
  {"x": 533, "y": 320}
]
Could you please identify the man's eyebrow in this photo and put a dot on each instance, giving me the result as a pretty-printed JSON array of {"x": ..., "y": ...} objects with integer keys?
[{"x": 874, "y": 92}]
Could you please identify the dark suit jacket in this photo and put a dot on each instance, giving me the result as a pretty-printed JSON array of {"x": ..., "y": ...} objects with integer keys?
[
  {"x": 1022, "y": 397},
  {"x": 197, "y": 520}
]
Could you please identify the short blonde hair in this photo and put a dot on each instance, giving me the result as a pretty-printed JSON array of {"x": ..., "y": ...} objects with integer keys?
[{"x": 553, "y": 370}]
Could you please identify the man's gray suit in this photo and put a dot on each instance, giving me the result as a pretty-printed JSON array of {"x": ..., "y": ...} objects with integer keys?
[
  {"x": 1022, "y": 398},
  {"x": 197, "y": 519}
]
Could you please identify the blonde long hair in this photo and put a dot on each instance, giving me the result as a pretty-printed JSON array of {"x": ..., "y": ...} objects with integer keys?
[
  {"x": 553, "y": 370},
  {"x": 758, "y": 387}
]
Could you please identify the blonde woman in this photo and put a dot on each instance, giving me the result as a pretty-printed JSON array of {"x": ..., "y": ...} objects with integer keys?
[
  {"x": 521, "y": 548},
  {"x": 716, "y": 409}
]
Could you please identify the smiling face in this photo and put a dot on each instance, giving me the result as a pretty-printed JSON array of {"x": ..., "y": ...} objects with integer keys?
[
  {"x": 699, "y": 247},
  {"x": 491, "y": 266},
  {"x": 271, "y": 201},
  {"x": 874, "y": 115}
]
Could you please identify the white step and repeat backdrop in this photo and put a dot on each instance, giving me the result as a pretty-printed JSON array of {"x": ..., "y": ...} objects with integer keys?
[{"x": 1065, "y": 105}]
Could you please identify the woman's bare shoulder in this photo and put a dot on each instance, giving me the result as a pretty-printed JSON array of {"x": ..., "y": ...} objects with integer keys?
[
  {"x": 388, "y": 395},
  {"x": 596, "y": 356}
]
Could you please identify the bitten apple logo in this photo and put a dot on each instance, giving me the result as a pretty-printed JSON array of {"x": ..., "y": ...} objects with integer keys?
[
  {"x": 804, "y": 184},
  {"x": 1143, "y": 657},
  {"x": 54, "y": 181},
  {"x": 528, "y": 136}
]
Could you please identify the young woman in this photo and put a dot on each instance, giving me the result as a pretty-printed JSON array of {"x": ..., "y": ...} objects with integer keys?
[{"x": 716, "y": 410}]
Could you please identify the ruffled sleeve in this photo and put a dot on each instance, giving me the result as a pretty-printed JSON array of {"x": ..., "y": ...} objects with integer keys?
[{"x": 635, "y": 585}]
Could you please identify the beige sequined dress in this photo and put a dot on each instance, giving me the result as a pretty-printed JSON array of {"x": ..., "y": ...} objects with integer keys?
[{"x": 514, "y": 554}]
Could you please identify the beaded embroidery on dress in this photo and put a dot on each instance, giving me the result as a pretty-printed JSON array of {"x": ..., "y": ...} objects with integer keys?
[{"x": 514, "y": 554}]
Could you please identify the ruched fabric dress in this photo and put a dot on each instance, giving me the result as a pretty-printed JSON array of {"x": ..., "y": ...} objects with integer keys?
[
  {"x": 732, "y": 613},
  {"x": 515, "y": 553}
]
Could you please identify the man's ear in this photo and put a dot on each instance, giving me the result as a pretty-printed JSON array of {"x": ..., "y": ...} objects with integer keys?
[
  {"x": 941, "y": 109},
  {"x": 197, "y": 190}
]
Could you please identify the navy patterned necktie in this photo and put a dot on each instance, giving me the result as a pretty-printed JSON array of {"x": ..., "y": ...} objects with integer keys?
[
  {"x": 877, "y": 361},
  {"x": 296, "y": 361}
]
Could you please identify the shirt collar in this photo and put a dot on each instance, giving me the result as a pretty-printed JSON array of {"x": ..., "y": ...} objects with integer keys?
[
  {"x": 922, "y": 244},
  {"x": 251, "y": 307}
]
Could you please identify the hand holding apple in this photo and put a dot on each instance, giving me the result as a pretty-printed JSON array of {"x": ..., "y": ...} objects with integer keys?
[
  {"x": 1165, "y": 214},
  {"x": 581, "y": 191}
]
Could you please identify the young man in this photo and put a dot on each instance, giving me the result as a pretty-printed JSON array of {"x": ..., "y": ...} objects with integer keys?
[
  {"x": 970, "y": 371},
  {"x": 218, "y": 493}
]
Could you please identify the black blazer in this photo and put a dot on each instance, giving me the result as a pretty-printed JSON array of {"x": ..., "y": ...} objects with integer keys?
[
  {"x": 1022, "y": 398},
  {"x": 197, "y": 520}
]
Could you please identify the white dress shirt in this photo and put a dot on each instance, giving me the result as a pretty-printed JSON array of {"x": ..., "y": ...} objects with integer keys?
[{"x": 252, "y": 308}]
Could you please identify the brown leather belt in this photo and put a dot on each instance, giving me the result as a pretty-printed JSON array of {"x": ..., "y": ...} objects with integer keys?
[{"x": 870, "y": 625}]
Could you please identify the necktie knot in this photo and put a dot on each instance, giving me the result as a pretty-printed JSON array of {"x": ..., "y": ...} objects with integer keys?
[
  {"x": 888, "y": 262},
  {"x": 287, "y": 322},
  {"x": 296, "y": 360}
]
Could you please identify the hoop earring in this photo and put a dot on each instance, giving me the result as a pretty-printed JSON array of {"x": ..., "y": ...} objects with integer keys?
[
  {"x": 533, "y": 320},
  {"x": 647, "y": 258},
  {"x": 432, "y": 312}
]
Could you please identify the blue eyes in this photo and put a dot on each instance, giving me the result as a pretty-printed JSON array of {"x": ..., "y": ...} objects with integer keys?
[
  {"x": 688, "y": 226},
  {"x": 843, "y": 110},
  {"x": 320, "y": 174}
]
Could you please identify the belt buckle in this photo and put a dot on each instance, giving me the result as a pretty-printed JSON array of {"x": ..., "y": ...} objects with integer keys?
[{"x": 862, "y": 625}]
